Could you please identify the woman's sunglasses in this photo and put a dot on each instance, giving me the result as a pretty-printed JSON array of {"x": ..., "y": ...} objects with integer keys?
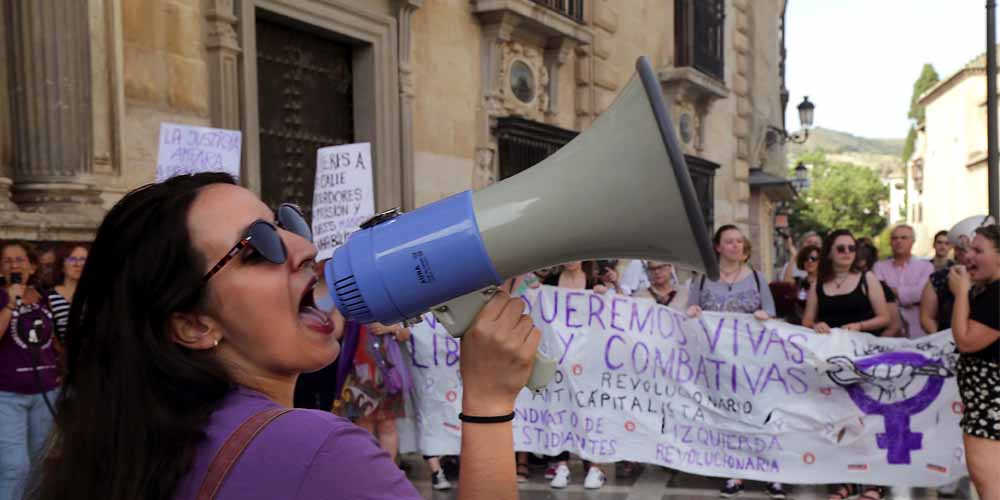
[
  {"x": 263, "y": 238},
  {"x": 845, "y": 248},
  {"x": 812, "y": 258}
]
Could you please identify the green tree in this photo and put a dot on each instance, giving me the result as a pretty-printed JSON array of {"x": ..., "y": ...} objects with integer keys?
[
  {"x": 842, "y": 195},
  {"x": 927, "y": 79},
  {"x": 909, "y": 144}
]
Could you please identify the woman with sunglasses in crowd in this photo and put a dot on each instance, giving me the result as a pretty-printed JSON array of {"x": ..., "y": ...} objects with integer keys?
[
  {"x": 808, "y": 261},
  {"x": 851, "y": 300},
  {"x": 975, "y": 323},
  {"x": 29, "y": 374},
  {"x": 193, "y": 318}
]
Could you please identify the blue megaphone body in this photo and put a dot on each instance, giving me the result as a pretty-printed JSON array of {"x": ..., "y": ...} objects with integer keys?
[{"x": 398, "y": 266}]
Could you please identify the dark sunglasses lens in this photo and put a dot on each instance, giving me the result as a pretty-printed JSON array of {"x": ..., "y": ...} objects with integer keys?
[
  {"x": 265, "y": 240},
  {"x": 292, "y": 220},
  {"x": 812, "y": 258}
]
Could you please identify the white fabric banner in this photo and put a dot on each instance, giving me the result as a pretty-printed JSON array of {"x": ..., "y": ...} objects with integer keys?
[{"x": 721, "y": 395}]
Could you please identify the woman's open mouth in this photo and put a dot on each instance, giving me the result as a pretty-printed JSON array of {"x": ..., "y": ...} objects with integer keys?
[{"x": 310, "y": 315}]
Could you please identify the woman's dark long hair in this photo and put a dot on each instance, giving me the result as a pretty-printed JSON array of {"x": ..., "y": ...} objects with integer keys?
[
  {"x": 133, "y": 402},
  {"x": 825, "y": 262}
]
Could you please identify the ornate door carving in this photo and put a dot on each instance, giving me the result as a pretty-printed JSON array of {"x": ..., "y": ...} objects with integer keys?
[{"x": 305, "y": 103}]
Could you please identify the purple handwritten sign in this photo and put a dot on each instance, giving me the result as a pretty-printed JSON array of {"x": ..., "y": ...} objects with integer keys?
[{"x": 188, "y": 149}]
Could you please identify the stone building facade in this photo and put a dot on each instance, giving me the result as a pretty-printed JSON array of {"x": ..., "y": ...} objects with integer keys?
[
  {"x": 452, "y": 94},
  {"x": 947, "y": 176}
]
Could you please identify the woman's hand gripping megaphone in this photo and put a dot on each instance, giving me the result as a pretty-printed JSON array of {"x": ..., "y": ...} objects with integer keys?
[
  {"x": 463, "y": 314},
  {"x": 497, "y": 356}
]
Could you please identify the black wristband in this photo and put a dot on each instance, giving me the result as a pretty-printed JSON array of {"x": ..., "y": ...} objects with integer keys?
[{"x": 486, "y": 420}]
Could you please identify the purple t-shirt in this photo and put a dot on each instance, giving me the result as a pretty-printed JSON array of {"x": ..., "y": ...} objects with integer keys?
[
  {"x": 301, "y": 455},
  {"x": 26, "y": 346}
]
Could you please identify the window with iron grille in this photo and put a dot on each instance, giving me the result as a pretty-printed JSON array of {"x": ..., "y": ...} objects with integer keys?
[
  {"x": 572, "y": 9},
  {"x": 703, "y": 177},
  {"x": 698, "y": 35},
  {"x": 523, "y": 143}
]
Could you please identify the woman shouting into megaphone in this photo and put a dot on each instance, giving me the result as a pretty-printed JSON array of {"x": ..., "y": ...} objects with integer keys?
[{"x": 191, "y": 322}]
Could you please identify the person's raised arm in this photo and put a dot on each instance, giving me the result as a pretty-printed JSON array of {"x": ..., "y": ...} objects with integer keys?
[
  {"x": 928, "y": 309},
  {"x": 970, "y": 335},
  {"x": 497, "y": 356},
  {"x": 788, "y": 273},
  {"x": 7, "y": 306},
  {"x": 812, "y": 306}
]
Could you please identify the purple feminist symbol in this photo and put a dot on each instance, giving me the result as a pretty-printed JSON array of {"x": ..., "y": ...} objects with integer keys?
[{"x": 898, "y": 439}]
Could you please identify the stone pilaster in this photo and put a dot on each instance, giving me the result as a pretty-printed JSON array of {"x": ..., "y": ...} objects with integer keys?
[
  {"x": 743, "y": 119},
  {"x": 556, "y": 55},
  {"x": 404, "y": 15},
  {"x": 50, "y": 106},
  {"x": 223, "y": 50}
]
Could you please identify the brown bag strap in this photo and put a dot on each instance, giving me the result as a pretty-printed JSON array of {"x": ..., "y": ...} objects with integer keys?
[{"x": 231, "y": 450}]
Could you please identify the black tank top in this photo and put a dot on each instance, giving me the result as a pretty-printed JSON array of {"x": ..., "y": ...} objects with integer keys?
[{"x": 839, "y": 310}]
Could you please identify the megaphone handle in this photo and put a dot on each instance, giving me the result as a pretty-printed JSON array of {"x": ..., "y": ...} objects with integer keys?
[{"x": 457, "y": 316}]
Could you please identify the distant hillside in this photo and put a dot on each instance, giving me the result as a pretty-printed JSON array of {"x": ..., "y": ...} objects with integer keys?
[{"x": 883, "y": 155}]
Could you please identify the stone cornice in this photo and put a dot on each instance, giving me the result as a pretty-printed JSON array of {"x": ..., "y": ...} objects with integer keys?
[
  {"x": 535, "y": 18},
  {"x": 945, "y": 85}
]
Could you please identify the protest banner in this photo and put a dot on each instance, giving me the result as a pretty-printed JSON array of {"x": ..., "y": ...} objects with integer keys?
[
  {"x": 188, "y": 149},
  {"x": 721, "y": 395},
  {"x": 344, "y": 196}
]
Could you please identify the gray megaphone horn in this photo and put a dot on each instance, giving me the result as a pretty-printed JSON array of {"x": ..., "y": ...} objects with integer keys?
[{"x": 621, "y": 189}]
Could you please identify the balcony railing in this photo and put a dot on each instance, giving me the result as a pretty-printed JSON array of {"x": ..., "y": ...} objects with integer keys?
[{"x": 572, "y": 9}]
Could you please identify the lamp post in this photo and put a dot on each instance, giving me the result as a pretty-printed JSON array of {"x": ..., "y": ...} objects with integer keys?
[
  {"x": 992, "y": 175},
  {"x": 777, "y": 135}
]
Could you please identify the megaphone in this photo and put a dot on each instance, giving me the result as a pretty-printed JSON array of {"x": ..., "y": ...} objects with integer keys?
[
  {"x": 621, "y": 189},
  {"x": 963, "y": 232}
]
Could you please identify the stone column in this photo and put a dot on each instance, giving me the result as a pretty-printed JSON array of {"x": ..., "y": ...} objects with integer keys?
[
  {"x": 50, "y": 106},
  {"x": 5, "y": 204}
]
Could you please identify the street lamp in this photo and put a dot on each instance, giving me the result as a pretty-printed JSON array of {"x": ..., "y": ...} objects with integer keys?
[
  {"x": 777, "y": 135},
  {"x": 801, "y": 180},
  {"x": 806, "y": 108}
]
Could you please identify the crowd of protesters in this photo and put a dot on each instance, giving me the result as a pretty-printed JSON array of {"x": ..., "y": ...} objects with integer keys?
[{"x": 145, "y": 370}]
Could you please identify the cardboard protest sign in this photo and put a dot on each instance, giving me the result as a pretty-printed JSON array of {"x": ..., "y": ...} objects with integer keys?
[
  {"x": 188, "y": 149},
  {"x": 344, "y": 195},
  {"x": 721, "y": 395}
]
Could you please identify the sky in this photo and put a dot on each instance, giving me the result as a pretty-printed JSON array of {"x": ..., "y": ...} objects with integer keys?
[{"x": 857, "y": 59}]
